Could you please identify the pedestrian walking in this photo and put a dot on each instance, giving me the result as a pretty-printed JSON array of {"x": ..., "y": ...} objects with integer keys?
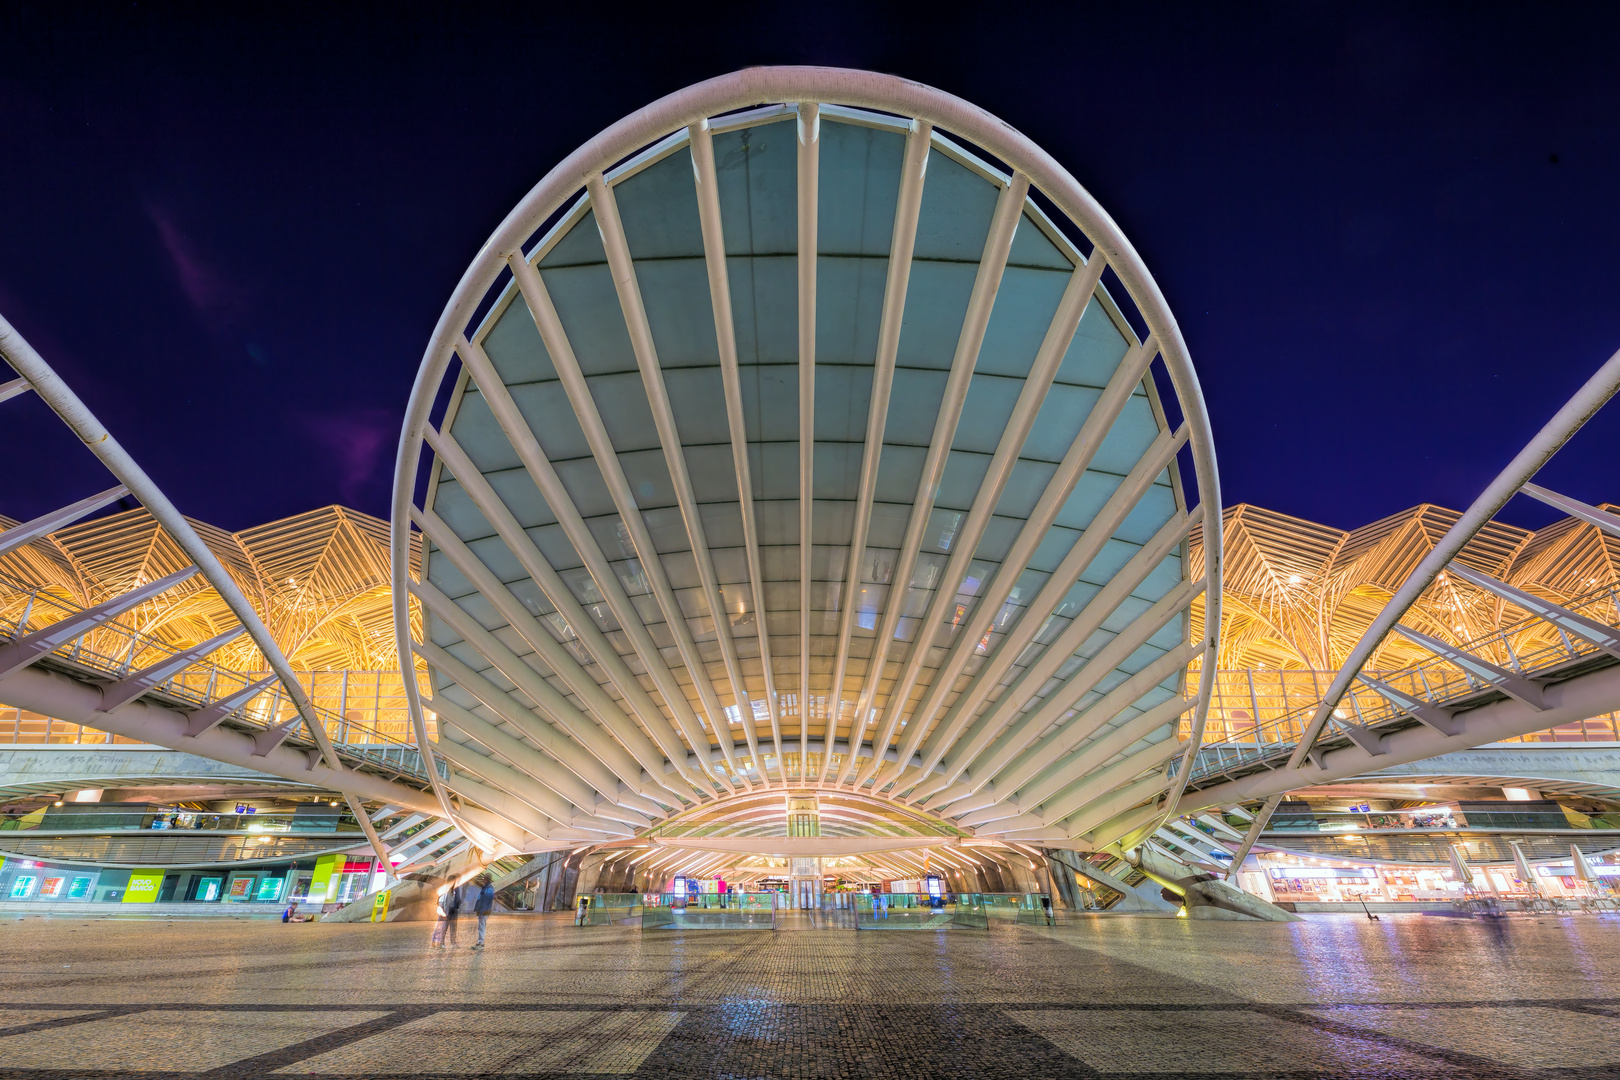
[
  {"x": 484, "y": 904},
  {"x": 449, "y": 912}
]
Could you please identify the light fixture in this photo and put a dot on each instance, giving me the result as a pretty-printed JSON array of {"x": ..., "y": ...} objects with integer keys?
[{"x": 58, "y": 802}]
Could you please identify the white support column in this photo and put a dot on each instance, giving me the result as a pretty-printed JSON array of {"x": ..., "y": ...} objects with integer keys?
[
  {"x": 1574, "y": 508},
  {"x": 1510, "y": 481},
  {"x": 1059, "y": 334},
  {"x": 540, "y": 470},
  {"x": 1256, "y": 826},
  {"x": 1605, "y": 637},
  {"x": 30, "y": 647},
  {"x": 1086, "y": 623},
  {"x": 634, "y": 310},
  {"x": 714, "y": 255},
  {"x": 902, "y": 243},
  {"x": 809, "y": 203},
  {"x": 1086, "y": 443},
  {"x": 1020, "y": 732},
  {"x": 29, "y": 531},
  {"x": 986, "y": 283},
  {"x": 551, "y": 585},
  {"x": 554, "y": 797},
  {"x": 78, "y": 417},
  {"x": 1510, "y": 683},
  {"x": 627, "y": 757},
  {"x": 594, "y": 778},
  {"x": 134, "y": 685}
]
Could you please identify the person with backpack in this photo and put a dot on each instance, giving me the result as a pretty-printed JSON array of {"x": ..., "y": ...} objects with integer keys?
[
  {"x": 449, "y": 912},
  {"x": 484, "y": 904}
]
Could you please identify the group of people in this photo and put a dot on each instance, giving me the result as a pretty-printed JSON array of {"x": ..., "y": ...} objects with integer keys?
[{"x": 479, "y": 894}]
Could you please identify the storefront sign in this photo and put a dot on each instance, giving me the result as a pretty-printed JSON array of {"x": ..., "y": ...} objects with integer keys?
[
  {"x": 1319, "y": 872},
  {"x": 143, "y": 886},
  {"x": 51, "y": 887},
  {"x": 23, "y": 886},
  {"x": 242, "y": 888},
  {"x": 1568, "y": 870},
  {"x": 269, "y": 890},
  {"x": 80, "y": 888}
]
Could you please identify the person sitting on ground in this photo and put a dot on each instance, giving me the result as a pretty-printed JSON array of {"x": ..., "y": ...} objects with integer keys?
[{"x": 292, "y": 915}]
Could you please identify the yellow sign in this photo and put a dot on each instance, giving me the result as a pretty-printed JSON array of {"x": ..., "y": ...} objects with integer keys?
[
  {"x": 379, "y": 906},
  {"x": 325, "y": 884},
  {"x": 143, "y": 886}
]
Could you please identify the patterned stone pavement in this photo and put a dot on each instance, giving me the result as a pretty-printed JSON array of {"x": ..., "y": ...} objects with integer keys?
[{"x": 1408, "y": 996}]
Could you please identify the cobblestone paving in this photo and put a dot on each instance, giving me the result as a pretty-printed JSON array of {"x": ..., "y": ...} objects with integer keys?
[{"x": 1409, "y": 996}]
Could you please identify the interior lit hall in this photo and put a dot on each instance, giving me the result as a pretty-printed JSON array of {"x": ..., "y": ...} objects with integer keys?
[{"x": 806, "y": 526}]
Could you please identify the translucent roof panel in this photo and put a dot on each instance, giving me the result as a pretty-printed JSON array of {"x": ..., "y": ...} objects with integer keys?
[{"x": 801, "y": 449}]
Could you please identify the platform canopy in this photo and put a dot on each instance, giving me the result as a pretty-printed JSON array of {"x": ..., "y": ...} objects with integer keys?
[{"x": 836, "y": 443}]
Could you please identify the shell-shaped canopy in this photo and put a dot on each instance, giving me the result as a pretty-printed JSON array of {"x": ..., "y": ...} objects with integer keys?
[{"x": 802, "y": 449}]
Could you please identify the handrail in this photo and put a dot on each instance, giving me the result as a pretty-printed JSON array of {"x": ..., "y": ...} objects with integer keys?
[
  {"x": 1435, "y": 680},
  {"x": 199, "y": 684}
]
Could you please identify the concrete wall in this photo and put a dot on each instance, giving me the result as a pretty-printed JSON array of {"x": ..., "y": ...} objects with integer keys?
[
  {"x": 1590, "y": 765},
  {"x": 59, "y": 767}
]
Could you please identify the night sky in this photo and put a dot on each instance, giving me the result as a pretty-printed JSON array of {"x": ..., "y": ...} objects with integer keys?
[{"x": 1391, "y": 233}]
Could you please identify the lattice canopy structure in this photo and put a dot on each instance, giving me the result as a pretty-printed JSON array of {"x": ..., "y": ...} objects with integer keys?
[
  {"x": 319, "y": 580},
  {"x": 834, "y": 442},
  {"x": 1299, "y": 594}
]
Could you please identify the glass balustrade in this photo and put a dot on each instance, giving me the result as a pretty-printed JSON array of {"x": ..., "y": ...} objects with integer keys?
[
  {"x": 92, "y": 817},
  {"x": 1027, "y": 909},
  {"x": 614, "y": 909},
  {"x": 709, "y": 911},
  {"x": 919, "y": 911}
]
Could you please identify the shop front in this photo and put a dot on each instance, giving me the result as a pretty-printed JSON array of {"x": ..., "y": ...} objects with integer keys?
[{"x": 1286, "y": 879}]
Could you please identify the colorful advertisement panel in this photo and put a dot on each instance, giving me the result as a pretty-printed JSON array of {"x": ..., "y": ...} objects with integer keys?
[
  {"x": 143, "y": 886},
  {"x": 324, "y": 885}
]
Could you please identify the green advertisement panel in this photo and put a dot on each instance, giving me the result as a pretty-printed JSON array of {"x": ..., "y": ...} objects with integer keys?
[
  {"x": 143, "y": 886},
  {"x": 328, "y": 878}
]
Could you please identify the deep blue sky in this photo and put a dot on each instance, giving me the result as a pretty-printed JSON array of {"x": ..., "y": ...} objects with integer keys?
[{"x": 1391, "y": 232}]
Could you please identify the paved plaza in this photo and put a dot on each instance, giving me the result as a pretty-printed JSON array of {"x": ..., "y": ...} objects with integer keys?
[{"x": 1408, "y": 996}]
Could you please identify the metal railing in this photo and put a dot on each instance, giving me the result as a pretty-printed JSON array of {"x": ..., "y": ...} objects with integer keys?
[
  {"x": 113, "y": 650},
  {"x": 1435, "y": 680}
]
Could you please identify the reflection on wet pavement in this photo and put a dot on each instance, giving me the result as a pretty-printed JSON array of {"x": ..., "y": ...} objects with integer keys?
[{"x": 1409, "y": 996}]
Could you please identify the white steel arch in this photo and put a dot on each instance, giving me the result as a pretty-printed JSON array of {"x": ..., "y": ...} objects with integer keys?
[{"x": 795, "y": 446}]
